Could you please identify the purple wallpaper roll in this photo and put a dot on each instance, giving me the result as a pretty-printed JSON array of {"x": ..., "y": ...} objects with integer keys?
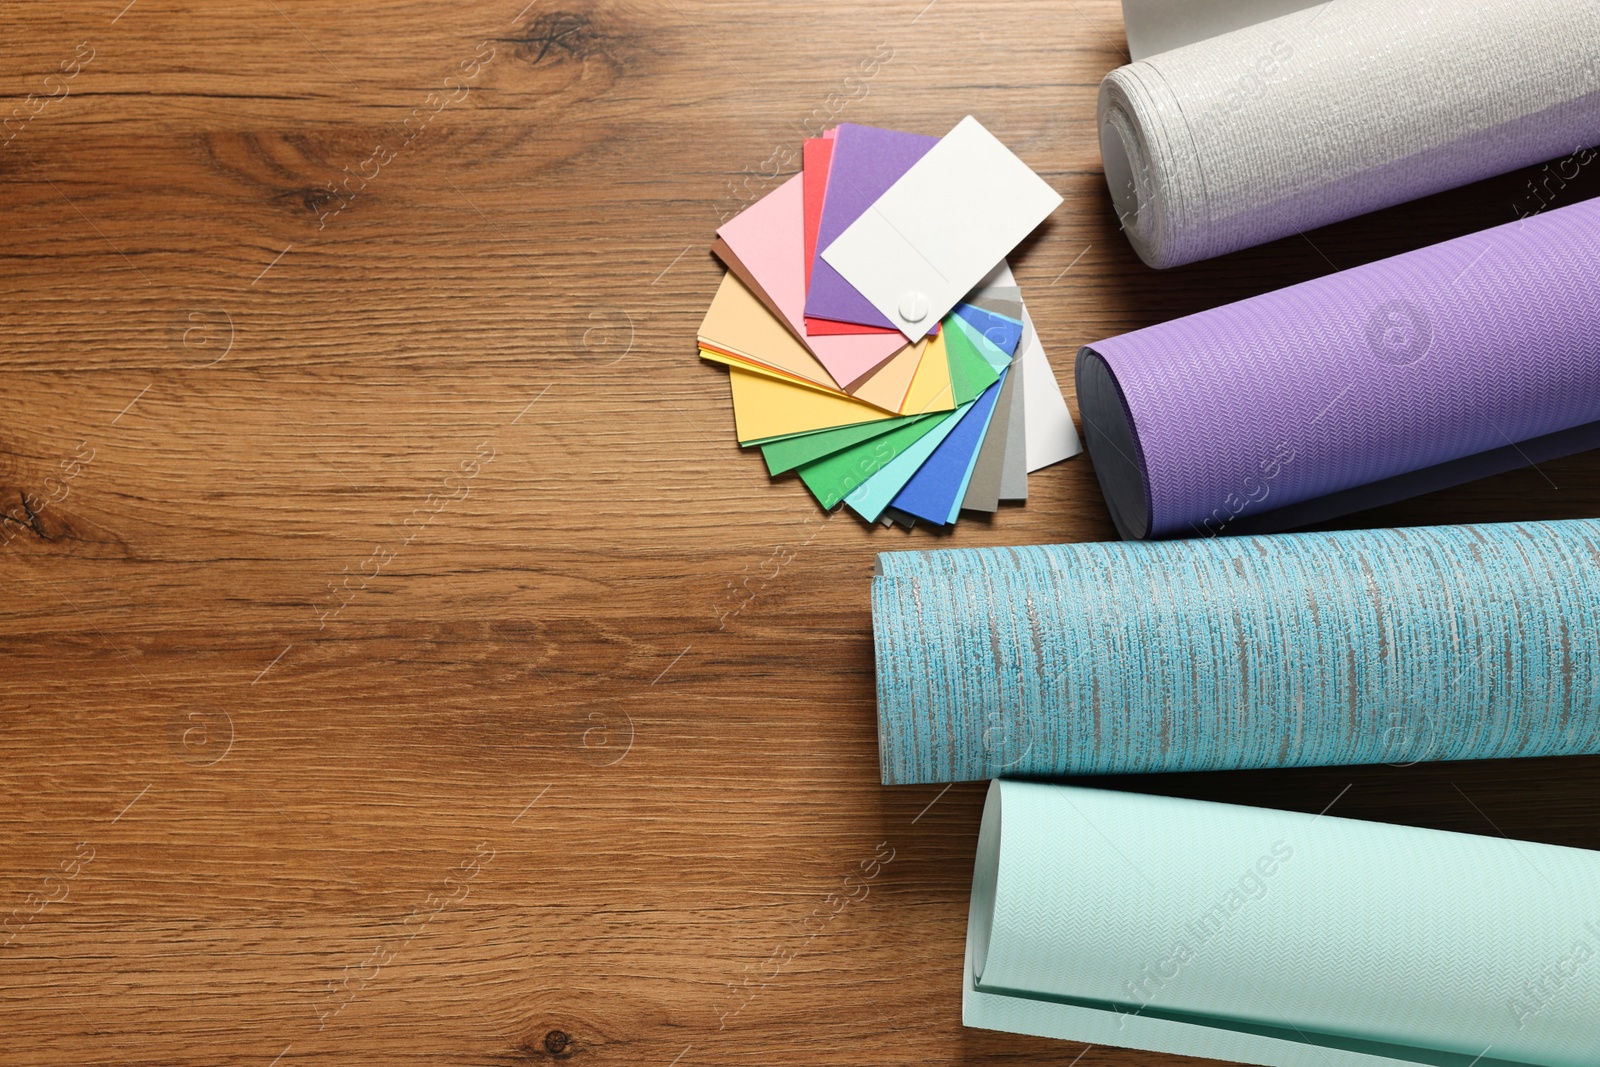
[{"x": 1353, "y": 389}]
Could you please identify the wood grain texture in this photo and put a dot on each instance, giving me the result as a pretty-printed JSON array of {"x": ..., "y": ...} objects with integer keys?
[{"x": 402, "y": 658}]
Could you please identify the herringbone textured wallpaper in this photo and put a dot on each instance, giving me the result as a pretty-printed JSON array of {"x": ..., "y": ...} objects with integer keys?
[{"x": 1398, "y": 365}]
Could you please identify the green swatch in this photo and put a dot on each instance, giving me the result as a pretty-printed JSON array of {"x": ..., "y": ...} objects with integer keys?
[
  {"x": 970, "y": 372},
  {"x": 832, "y": 478},
  {"x": 787, "y": 453}
]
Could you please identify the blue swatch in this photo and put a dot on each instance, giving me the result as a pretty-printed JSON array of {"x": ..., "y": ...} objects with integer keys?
[
  {"x": 1002, "y": 332},
  {"x": 878, "y": 491},
  {"x": 940, "y": 481}
]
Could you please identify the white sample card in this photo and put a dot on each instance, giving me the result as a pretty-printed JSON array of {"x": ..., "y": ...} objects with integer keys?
[
  {"x": 942, "y": 227},
  {"x": 1051, "y": 436}
]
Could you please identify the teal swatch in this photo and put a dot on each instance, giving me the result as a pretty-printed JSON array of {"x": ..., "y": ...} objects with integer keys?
[
  {"x": 871, "y": 497},
  {"x": 834, "y": 477}
]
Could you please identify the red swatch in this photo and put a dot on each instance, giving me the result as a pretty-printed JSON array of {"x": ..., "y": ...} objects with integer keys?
[{"x": 816, "y": 156}]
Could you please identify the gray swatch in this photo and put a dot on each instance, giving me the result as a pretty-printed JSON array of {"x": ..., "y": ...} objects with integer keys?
[
  {"x": 983, "y": 489},
  {"x": 1014, "y": 470}
]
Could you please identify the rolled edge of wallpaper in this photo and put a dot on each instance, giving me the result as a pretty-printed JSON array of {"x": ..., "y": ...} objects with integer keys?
[
  {"x": 1312, "y": 649},
  {"x": 1394, "y": 378},
  {"x": 1111, "y": 436},
  {"x": 1319, "y": 115},
  {"x": 1161, "y": 25},
  {"x": 1122, "y": 480},
  {"x": 1279, "y": 938}
]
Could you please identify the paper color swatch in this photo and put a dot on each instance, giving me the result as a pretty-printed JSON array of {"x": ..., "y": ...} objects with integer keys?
[
  {"x": 956, "y": 212},
  {"x": 906, "y": 429},
  {"x": 1051, "y": 436},
  {"x": 866, "y": 162},
  {"x": 768, "y": 239}
]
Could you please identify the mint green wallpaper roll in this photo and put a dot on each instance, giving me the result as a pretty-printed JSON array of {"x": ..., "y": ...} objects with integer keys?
[{"x": 1276, "y": 937}]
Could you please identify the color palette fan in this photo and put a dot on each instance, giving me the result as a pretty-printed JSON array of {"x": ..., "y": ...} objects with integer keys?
[{"x": 876, "y": 341}]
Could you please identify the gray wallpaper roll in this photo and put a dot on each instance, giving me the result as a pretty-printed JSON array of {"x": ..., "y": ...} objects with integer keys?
[
  {"x": 1162, "y": 25},
  {"x": 1338, "y": 110}
]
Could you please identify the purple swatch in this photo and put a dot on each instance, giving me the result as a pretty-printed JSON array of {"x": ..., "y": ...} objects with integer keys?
[
  {"x": 1416, "y": 361},
  {"x": 866, "y": 161}
]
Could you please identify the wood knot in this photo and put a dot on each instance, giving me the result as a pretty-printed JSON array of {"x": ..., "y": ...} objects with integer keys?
[
  {"x": 556, "y": 34},
  {"x": 557, "y": 1042},
  {"x": 314, "y": 199}
]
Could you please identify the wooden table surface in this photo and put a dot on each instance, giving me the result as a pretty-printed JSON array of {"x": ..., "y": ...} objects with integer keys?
[{"x": 402, "y": 659}]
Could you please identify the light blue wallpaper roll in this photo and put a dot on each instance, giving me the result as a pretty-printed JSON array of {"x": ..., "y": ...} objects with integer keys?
[
  {"x": 1277, "y": 937},
  {"x": 1370, "y": 646}
]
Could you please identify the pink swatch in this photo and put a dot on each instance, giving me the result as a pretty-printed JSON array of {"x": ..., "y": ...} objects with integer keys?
[{"x": 768, "y": 237}]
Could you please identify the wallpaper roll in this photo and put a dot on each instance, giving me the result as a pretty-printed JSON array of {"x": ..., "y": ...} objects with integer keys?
[
  {"x": 1366, "y": 646},
  {"x": 1161, "y": 25},
  {"x": 1354, "y": 389},
  {"x": 1337, "y": 110},
  {"x": 1276, "y": 937}
]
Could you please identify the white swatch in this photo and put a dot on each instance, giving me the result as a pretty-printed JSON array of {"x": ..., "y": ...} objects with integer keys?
[{"x": 1051, "y": 436}]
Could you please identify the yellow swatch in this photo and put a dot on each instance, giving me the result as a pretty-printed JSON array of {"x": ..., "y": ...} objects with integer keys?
[
  {"x": 930, "y": 389},
  {"x": 740, "y": 330},
  {"x": 764, "y": 407}
]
